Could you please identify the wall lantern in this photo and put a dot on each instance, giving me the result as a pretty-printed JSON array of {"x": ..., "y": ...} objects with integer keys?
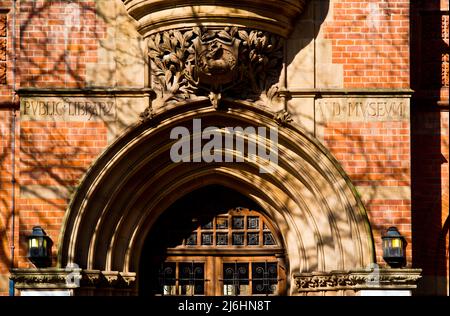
[
  {"x": 394, "y": 248},
  {"x": 40, "y": 248}
]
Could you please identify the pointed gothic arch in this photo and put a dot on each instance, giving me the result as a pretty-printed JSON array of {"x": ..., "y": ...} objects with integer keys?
[{"x": 308, "y": 196}]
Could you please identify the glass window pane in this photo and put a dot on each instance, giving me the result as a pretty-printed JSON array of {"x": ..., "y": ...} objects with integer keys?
[
  {"x": 192, "y": 240},
  {"x": 268, "y": 239},
  {"x": 252, "y": 222},
  {"x": 191, "y": 278},
  {"x": 222, "y": 223},
  {"x": 238, "y": 239},
  {"x": 221, "y": 239},
  {"x": 207, "y": 239},
  {"x": 229, "y": 289},
  {"x": 208, "y": 225},
  {"x": 184, "y": 273},
  {"x": 238, "y": 222},
  {"x": 253, "y": 239},
  {"x": 167, "y": 278},
  {"x": 236, "y": 279},
  {"x": 169, "y": 290},
  {"x": 264, "y": 277},
  {"x": 228, "y": 272},
  {"x": 186, "y": 289}
]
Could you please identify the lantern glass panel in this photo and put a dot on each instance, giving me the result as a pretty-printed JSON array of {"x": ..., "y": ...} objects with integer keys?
[
  {"x": 396, "y": 243},
  {"x": 33, "y": 243}
]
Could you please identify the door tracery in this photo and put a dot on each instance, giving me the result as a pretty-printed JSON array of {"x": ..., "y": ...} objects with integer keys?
[{"x": 233, "y": 253}]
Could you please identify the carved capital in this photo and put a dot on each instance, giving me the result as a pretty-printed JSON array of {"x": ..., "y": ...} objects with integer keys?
[
  {"x": 358, "y": 280},
  {"x": 128, "y": 278},
  {"x": 111, "y": 278},
  {"x": 91, "y": 277},
  {"x": 46, "y": 278}
]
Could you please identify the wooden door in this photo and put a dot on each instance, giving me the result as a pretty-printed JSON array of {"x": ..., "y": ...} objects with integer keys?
[{"x": 235, "y": 253}]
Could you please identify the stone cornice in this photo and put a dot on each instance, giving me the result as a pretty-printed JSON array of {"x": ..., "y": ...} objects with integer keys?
[
  {"x": 358, "y": 280},
  {"x": 275, "y": 16},
  {"x": 340, "y": 93},
  {"x": 86, "y": 92},
  {"x": 140, "y": 92}
]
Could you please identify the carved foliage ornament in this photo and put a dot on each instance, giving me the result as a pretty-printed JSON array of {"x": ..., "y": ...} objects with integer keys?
[
  {"x": 230, "y": 62},
  {"x": 406, "y": 278}
]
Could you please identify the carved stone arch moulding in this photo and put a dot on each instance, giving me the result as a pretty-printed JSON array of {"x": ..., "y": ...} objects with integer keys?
[{"x": 308, "y": 197}]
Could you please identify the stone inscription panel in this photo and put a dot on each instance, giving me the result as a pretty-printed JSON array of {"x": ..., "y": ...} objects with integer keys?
[
  {"x": 70, "y": 108},
  {"x": 363, "y": 109}
]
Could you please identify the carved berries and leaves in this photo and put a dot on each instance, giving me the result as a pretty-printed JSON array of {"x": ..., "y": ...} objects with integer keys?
[
  {"x": 173, "y": 55},
  {"x": 230, "y": 62}
]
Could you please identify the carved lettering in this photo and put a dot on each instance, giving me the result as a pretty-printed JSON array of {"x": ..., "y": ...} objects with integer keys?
[
  {"x": 364, "y": 109},
  {"x": 336, "y": 108},
  {"x": 68, "y": 109}
]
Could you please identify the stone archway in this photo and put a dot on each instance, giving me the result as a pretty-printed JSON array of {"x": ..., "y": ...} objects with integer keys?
[{"x": 308, "y": 196}]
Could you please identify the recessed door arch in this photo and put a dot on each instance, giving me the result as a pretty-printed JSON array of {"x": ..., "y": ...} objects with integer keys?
[
  {"x": 213, "y": 241},
  {"x": 308, "y": 196}
]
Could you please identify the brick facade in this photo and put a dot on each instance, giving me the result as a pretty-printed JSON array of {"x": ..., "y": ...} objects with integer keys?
[
  {"x": 371, "y": 40},
  {"x": 376, "y": 155},
  {"x": 53, "y": 155},
  {"x": 59, "y": 42}
]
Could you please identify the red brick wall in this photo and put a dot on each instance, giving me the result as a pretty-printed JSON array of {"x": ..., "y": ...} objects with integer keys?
[
  {"x": 57, "y": 40},
  {"x": 376, "y": 154},
  {"x": 53, "y": 154},
  {"x": 371, "y": 40},
  {"x": 6, "y": 193},
  {"x": 5, "y": 189}
]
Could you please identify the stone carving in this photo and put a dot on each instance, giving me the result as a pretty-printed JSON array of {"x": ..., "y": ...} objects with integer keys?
[
  {"x": 444, "y": 72},
  {"x": 282, "y": 117},
  {"x": 90, "y": 278},
  {"x": 30, "y": 279},
  {"x": 215, "y": 99},
  {"x": 348, "y": 280},
  {"x": 57, "y": 278},
  {"x": 147, "y": 115},
  {"x": 50, "y": 277},
  {"x": 234, "y": 63},
  {"x": 128, "y": 278},
  {"x": 445, "y": 55}
]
